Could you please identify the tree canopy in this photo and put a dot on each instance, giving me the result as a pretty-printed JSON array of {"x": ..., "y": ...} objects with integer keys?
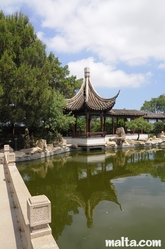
[
  {"x": 138, "y": 125},
  {"x": 155, "y": 105},
  {"x": 33, "y": 85},
  {"x": 158, "y": 127}
]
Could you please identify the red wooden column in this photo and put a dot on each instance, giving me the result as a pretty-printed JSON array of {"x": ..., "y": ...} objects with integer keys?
[
  {"x": 87, "y": 124},
  {"x": 113, "y": 132},
  {"x": 73, "y": 131},
  {"x": 133, "y": 131},
  {"x": 104, "y": 122},
  {"x": 101, "y": 122},
  {"x": 75, "y": 125},
  {"x": 74, "y": 128}
]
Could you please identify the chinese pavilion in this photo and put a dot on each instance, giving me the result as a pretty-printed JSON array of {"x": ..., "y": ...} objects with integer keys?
[{"x": 88, "y": 103}]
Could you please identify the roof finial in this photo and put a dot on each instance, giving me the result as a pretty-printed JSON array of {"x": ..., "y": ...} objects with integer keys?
[{"x": 87, "y": 72}]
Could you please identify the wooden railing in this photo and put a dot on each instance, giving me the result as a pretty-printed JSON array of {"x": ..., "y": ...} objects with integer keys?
[
  {"x": 90, "y": 134},
  {"x": 96, "y": 134}
]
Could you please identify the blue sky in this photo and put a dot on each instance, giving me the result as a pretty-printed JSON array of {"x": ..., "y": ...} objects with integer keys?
[{"x": 121, "y": 41}]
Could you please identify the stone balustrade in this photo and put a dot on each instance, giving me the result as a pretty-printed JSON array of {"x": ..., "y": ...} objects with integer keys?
[{"x": 33, "y": 212}]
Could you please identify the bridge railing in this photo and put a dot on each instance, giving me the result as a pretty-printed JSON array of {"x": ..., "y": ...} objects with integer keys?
[{"x": 33, "y": 212}]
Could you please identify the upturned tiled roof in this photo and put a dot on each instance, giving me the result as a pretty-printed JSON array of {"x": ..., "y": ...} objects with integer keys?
[
  {"x": 87, "y": 98},
  {"x": 155, "y": 116},
  {"x": 126, "y": 112},
  {"x": 135, "y": 113}
]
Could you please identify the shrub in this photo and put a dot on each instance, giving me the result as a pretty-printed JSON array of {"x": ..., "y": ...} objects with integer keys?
[{"x": 158, "y": 127}]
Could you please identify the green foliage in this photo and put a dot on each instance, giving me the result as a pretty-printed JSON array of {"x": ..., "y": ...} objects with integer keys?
[
  {"x": 54, "y": 117},
  {"x": 155, "y": 105},
  {"x": 158, "y": 127},
  {"x": 32, "y": 85},
  {"x": 81, "y": 124},
  {"x": 121, "y": 122},
  {"x": 108, "y": 125},
  {"x": 59, "y": 78},
  {"x": 139, "y": 124},
  {"x": 95, "y": 124}
]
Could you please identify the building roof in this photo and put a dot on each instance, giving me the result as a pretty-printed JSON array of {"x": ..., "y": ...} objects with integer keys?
[
  {"x": 135, "y": 113},
  {"x": 126, "y": 112},
  {"x": 155, "y": 116},
  {"x": 88, "y": 98}
]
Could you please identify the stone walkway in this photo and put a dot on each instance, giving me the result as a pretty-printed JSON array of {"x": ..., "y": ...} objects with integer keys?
[{"x": 10, "y": 236}]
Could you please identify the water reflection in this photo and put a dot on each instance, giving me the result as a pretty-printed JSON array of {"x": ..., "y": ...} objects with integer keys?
[{"x": 81, "y": 181}]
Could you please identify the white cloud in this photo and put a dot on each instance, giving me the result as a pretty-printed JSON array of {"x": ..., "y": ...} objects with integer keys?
[
  {"x": 161, "y": 66},
  {"x": 58, "y": 43},
  {"x": 132, "y": 31},
  {"x": 129, "y": 31},
  {"x": 10, "y": 6},
  {"x": 41, "y": 35},
  {"x": 103, "y": 75}
]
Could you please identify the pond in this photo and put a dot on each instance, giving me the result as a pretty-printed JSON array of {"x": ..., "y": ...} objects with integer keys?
[{"x": 99, "y": 196}]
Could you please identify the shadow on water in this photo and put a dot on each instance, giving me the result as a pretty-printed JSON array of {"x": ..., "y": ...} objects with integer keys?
[{"x": 96, "y": 191}]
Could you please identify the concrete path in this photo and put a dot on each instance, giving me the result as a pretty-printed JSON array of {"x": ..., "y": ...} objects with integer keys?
[{"x": 10, "y": 236}]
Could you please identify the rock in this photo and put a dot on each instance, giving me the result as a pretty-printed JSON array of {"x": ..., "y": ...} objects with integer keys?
[
  {"x": 35, "y": 150},
  {"x": 50, "y": 147},
  {"x": 118, "y": 140},
  {"x": 19, "y": 154},
  {"x": 26, "y": 139},
  {"x": 126, "y": 143},
  {"x": 74, "y": 146},
  {"x": 139, "y": 142},
  {"x": 129, "y": 141},
  {"x": 111, "y": 143},
  {"x": 153, "y": 138},
  {"x": 26, "y": 151},
  {"x": 57, "y": 148},
  {"x": 41, "y": 143},
  {"x": 62, "y": 142},
  {"x": 162, "y": 135},
  {"x": 120, "y": 132}
]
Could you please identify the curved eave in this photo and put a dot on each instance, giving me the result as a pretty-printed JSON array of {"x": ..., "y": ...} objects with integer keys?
[
  {"x": 92, "y": 100},
  {"x": 96, "y": 102},
  {"x": 77, "y": 101}
]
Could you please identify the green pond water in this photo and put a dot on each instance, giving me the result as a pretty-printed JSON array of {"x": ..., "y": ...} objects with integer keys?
[{"x": 98, "y": 196}]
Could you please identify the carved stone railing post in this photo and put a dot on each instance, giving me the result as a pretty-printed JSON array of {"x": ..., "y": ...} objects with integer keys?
[
  {"x": 11, "y": 159},
  {"x": 39, "y": 215},
  {"x": 6, "y": 148},
  {"x": 33, "y": 212}
]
